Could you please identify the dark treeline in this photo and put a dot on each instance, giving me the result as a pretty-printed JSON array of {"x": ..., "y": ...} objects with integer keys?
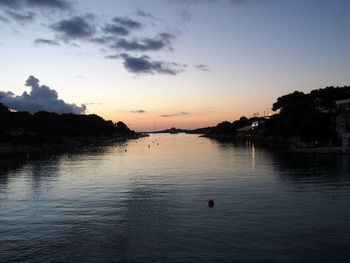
[
  {"x": 45, "y": 127},
  {"x": 227, "y": 128},
  {"x": 309, "y": 117}
]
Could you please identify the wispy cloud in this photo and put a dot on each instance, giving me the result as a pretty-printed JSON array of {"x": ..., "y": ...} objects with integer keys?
[
  {"x": 145, "y": 14},
  {"x": 161, "y": 41},
  {"x": 138, "y": 111},
  {"x": 127, "y": 22},
  {"x": 121, "y": 26},
  {"x": 174, "y": 114},
  {"x": 185, "y": 15},
  {"x": 3, "y": 19},
  {"x": 116, "y": 30},
  {"x": 21, "y": 17},
  {"x": 112, "y": 56},
  {"x": 42, "y": 41},
  {"x": 202, "y": 67},
  {"x": 93, "y": 103}
]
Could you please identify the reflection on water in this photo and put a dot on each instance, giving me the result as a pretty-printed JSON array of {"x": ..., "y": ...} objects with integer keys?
[
  {"x": 307, "y": 171},
  {"x": 149, "y": 204}
]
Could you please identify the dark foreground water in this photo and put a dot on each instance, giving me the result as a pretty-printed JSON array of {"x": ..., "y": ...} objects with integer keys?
[{"x": 149, "y": 204}]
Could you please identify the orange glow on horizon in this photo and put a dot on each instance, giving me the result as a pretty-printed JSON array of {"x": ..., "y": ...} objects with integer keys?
[
  {"x": 160, "y": 118},
  {"x": 154, "y": 122}
]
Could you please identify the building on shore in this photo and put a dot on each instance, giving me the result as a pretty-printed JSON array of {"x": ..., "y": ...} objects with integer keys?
[
  {"x": 343, "y": 106},
  {"x": 343, "y": 123}
]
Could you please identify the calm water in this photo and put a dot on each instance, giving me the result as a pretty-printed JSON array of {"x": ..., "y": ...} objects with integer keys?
[{"x": 149, "y": 204}]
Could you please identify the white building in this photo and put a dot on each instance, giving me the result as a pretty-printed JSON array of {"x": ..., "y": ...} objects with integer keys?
[{"x": 343, "y": 105}]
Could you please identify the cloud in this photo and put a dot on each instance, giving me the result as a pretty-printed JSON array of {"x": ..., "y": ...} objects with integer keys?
[
  {"x": 24, "y": 11},
  {"x": 202, "y": 67},
  {"x": 21, "y": 17},
  {"x": 40, "y": 98},
  {"x": 116, "y": 30},
  {"x": 47, "y": 4},
  {"x": 142, "y": 13},
  {"x": 112, "y": 56},
  {"x": 60, "y": 4},
  {"x": 161, "y": 41},
  {"x": 3, "y": 19},
  {"x": 174, "y": 114},
  {"x": 121, "y": 26},
  {"x": 127, "y": 22},
  {"x": 237, "y": 3},
  {"x": 137, "y": 111},
  {"x": 43, "y": 41},
  {"x": 144, "y": 65},
  {"x": 78, "y": 27},
  {"x": 185, "y": 15},
  {"x": 9, "y": 3},
  {"x": 102, "y": 40}
]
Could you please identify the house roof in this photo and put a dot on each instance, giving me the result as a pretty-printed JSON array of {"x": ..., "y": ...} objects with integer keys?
[{"x": 339, "y": 102}]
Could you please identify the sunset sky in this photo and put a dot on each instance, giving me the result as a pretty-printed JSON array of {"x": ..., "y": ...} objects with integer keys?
[{"x": 154, "y": 64}]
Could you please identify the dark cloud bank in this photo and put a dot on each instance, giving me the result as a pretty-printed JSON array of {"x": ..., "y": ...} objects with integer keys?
[
  {"x": 49, "y": 4},
  {"x": 24, "y": 10},
  {"x": 115, "y": 36},
  {"x": 145, "y": 65},
  {"x": 83, "y": 28},
  {"x": 40, "y": 98},
  {"x": 78, "y": 27}
]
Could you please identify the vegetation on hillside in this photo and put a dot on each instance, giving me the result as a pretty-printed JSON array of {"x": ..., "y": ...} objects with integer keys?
[
  {"x": 44, "y": 127},
  {"x": 310, "y": 117},
  {"x": 227, "y": 128}
]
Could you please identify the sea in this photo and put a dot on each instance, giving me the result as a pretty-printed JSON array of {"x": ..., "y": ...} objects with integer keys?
[{"x": 146, "y": 200}]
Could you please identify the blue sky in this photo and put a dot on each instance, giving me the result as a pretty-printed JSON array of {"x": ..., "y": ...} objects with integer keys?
[{"x": 159, "y": 63}]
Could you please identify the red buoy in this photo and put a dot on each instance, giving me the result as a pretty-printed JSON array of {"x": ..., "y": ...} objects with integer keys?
[{"x": 211, "y": 203}]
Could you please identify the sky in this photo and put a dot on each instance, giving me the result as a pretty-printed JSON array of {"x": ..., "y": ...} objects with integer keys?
[{"x": 156, "y": 64}]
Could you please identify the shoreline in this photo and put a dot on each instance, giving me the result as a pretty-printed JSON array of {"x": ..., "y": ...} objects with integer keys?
[
  {"x": 68, "y": 143},
  {"x": 288, "y": 144}
]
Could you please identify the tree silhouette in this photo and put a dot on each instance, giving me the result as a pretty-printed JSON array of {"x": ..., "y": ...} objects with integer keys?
[{"x": 44, "y": 127}]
